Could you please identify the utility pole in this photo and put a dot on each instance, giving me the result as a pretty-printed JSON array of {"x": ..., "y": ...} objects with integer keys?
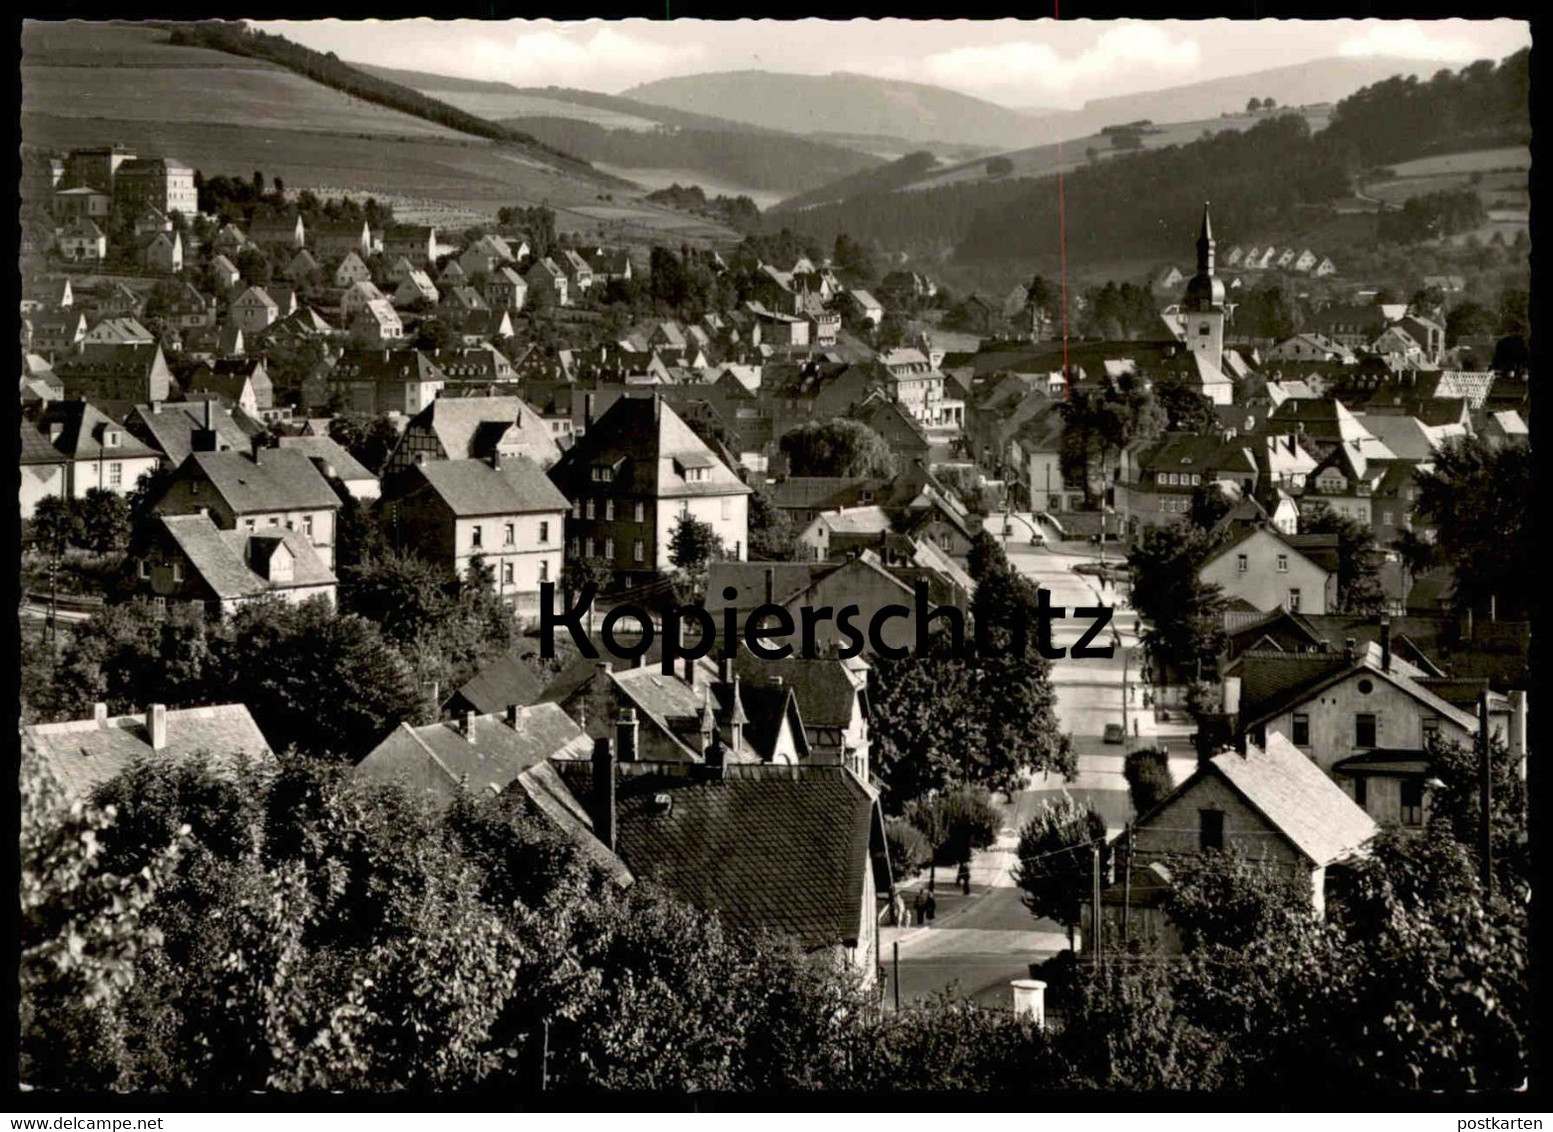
[
  {"x": 544, "y": 1056},
  {"x": 1094, "y": 918},
  {"x": 1127, "y": 884},
  {"x": 1485, "y": 784},
  {"x": 897, "y": 948}
]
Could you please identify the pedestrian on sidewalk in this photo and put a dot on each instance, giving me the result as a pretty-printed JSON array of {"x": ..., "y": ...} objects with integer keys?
[
  {"x": 929, "y": 907},
  {"x": 963, "y": 877},
  {"x": 919, "y": 907}
]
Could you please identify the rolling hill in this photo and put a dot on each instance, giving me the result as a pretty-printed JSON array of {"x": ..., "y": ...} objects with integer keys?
[
  {"x": 845, "y": 104},
  {"x": 97, "y": 83},
  {"x": 652, "y": 144},
  {"x": 1302, "y": 84}
]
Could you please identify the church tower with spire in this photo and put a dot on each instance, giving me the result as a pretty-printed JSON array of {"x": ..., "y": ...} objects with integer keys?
[{"x": 1202, "y": 307}]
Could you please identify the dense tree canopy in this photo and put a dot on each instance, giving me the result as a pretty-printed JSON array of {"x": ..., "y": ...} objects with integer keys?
[
  {"x": 837, "y": 447},
  {"x": 1475, "y": 498}
]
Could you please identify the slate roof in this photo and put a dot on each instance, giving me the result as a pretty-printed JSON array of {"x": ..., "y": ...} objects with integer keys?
[
  {"x": 85, "y": 753},
  {"x": 1297, "y": 798},
  {"x": 768, "y": 847},
  {"x": 824, "y": 687},
  {"x": 440, "y": 758},
  {"x": 1281, "y": 682},
  {"x": 283, "y": 480},
  {"x": 504, "y": 681},
  {"x": 788, "y": 580},
  {"x": 222, "y": 558},
  {"x": 322, "y": 449},
  {"x": 822, "y": 493},
  {"x": 460, "y": 424},
  {"x": 474, "y": 487},
  {"x": 83, "y": 426},
  {"x": 650, "y": 447},
  {"x": 170, "y": 425}
]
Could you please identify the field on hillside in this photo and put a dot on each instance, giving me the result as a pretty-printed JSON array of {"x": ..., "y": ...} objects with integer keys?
[
  {"x": 94, "y": 84},
  {"x": 517, "y": 105},
  {"x": 126, "y": 73},
  {"x": 1046, "y": 160},
  {"x": 1499, "y": 176}
]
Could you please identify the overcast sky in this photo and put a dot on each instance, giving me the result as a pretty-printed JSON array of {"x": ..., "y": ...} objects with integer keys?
[{"x": 1014, "y": 62}]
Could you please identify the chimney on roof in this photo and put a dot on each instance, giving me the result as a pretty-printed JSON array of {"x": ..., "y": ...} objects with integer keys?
[
  {"x": 99, "y": 714},
  {"x": 1350, "y": 649},
  {"x": 257, "y": 446},
  {"x": 604, "y": 793},
  {"x": 1385, "y": 644},
  {"x": 627, "y": 735},
  {"x": 156, "y": 724},
  {"x": 516, "y": 714},
  {"x": 466, "y": 724}
]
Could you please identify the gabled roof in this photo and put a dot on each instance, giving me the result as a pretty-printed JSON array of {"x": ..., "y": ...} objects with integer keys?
[
  {"x": 461, "y": 423},
  {"x": 443, "y": 760},
  {"x": 224, "y": 559},
  {"x": 284, "y": 479},
  {"x": 651, "y": 449},
  {"x": 505, "y": 681},
  {"x": 1282, "y": 683},
  {"x": 85, "y": 753},
  {"x": 323, "y": 450},
  {"x": 1294, "y": 796},
  {"x": 170, "y": 425},
  {"x": 83, "y": 428},
  {"x": 768, "y": 847},
  {"x": 474, "y": 487}
]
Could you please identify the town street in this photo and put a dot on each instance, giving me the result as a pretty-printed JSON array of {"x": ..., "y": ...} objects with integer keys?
[{"x": 977, "y": 944}]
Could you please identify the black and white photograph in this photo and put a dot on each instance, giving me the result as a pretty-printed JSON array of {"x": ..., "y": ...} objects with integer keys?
[{"x": 745, "y": 564}]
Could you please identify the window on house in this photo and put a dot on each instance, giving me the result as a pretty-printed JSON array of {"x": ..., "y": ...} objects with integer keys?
[
  {"x": 1361, "y": 791},
  {"x": 609, "y": 548},
  {"x": 1364, "y": 729},
  {"x": 1242, "y": 563},
  {"x": 1210, "y": 829},
  {"x": 576, "y": 508},
  {"x": 544, "y": 570},
  {"x": 1431, "y": 730},
  {"x": 1385, "y": 518},
  {"x": 639, "y": 513},
  {"x": 638, "y": 550},
  {"x": 591, "y": 548},
  {"x": 1294, "y": 600},
  {"x": 177, "y": 571},
  {"x": 506, "y": 573},
  {"x": 590, "y": 509},
  {"x": 1283, "y": 564},
  {"x": 115, "y": 474},
  {"x": 609, "y": 509},
  {"x": 145, "y": 568},
  {"x": 307, "y": 525},
  {"x": 509, "y": 534},
  {"x": 476, "y": 535},
  {"x": 1412, "y": 801},
  {"x": 274, "y": 520},
  {"x": 544, "y": 532},
  {"x": 572, "y": 548},
  {"x": 1301, "y": 729}
]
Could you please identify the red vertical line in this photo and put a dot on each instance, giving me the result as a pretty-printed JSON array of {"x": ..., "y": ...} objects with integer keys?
[{"x": 1062, "y": 242}]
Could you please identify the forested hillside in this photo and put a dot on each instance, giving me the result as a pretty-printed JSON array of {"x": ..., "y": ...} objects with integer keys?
[
  {"x": 884, "y": 179},
  {"x": 758, "y": 161},
  {"x": 1149, "y": 202},
  {"x": 1479, "y": 106}
]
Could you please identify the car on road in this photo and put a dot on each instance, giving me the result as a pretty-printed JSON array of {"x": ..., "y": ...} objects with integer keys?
[
  {"x": 1037, "y": 539},
  {"x": 1115, "y": 733}
]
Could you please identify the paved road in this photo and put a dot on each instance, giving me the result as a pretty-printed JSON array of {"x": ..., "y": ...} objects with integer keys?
[{"x": 977, "y": 944}]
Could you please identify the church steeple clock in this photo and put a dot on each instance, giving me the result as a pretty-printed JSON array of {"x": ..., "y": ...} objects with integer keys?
[{"x": 1202, "y": 307}]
